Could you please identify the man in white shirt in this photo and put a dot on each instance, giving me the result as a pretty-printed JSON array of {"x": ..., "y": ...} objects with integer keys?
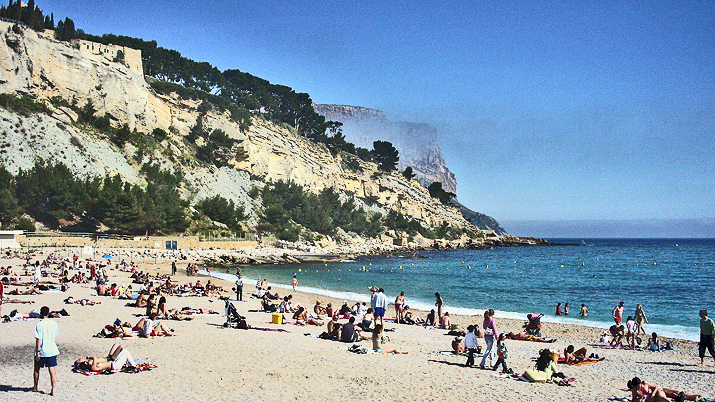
[
  {"x": 46, "y": 351},
  {"x": 471, "y": 343},
  {"x": 380, "y": 306}
]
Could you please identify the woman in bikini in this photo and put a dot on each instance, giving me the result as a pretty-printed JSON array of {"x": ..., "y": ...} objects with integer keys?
[
  {"x": 643, "y": 391},
  {"x": 399, "y": 312},
  {"x": 640, "y": 320},
  {"x": 301, "y": 318},
  {"x": 378, "y": 340},
  {"x": 439, "y": 302}
]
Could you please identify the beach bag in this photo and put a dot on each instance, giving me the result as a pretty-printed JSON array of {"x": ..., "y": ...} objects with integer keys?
[{"x": 535, "y": 375}]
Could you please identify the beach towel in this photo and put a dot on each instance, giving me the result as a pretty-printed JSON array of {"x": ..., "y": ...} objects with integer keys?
[
  {"x": 140, "y": 366},
  {"x": 581, "y": 363},
  {"x": 619, "y": 346},
  {"x": 269, "y": 329}
]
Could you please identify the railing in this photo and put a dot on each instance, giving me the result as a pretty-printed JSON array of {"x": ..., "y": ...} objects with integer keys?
[{"x": 86, "y": 235}]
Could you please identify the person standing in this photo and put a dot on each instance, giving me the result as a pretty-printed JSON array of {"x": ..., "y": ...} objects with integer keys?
[
  {"x": 558, "y": 309},
  {"x": 239, "y": 288},
  {"x": 618, "y": 313},
  {"x": 490, "y": 334},
  {"x": 502, "y": 354},
  {"x": 46, "y": 350},
  {"x": 439, "y": 304},
  {"x": 707, "y": 330},
  {"x": 399, "y": 304},
  {"x": 173, "y": 268},
  {"x": 380, "y": 306},
  {"x": 640, "y": 320},
  {"x": 295, "y": 282},
  {"x": 566, "y": 309},
  {"x": 584, "y": 310},
  {"x": 471, "y": 343}
]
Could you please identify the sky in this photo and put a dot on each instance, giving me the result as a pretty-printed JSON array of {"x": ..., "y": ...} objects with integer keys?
[{"x": 548, "y": 112}]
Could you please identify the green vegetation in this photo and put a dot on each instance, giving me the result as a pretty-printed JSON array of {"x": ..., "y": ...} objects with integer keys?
[
  {"x": 288, "y": 204},
  {"x": 408, "y": 173},
  {"x": 23, "y": 105},
  {"x": 51, "y": 194},
  {"x": 221, "y": 210},
  {"x": 30, "y": 15},
  {"x": 385, "y": 155},
  {"x": 436, "y": 191}
]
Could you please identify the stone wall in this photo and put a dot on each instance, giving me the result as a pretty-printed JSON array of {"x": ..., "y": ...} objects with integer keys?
[{"x": 131, "y": 57}]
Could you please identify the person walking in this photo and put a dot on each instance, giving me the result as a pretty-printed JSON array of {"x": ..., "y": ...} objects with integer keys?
[
  {"x": 239, "y": 288},
  {"x": 617, "y": 313},
  {"x": 641, "y": 319},
  {"x": 295, "y": 282},
  {"x": 46, "y": 350},
  {"x": 707, "y": 330},
  {"x": 490, "y": 334},
  {"x": 471, "y": 343},
  {"x": 380, "y": 306}
]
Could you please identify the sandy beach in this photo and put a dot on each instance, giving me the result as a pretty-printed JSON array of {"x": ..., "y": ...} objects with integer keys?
[{"x": 206, "y": 361}]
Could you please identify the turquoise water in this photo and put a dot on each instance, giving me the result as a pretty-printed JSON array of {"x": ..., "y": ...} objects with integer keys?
[{"x": 671, "y": 278}]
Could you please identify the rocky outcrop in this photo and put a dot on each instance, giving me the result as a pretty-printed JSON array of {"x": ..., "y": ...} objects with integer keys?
[
  {"x": 416, "y": 142},
  {"x": 38, "y": 66}
]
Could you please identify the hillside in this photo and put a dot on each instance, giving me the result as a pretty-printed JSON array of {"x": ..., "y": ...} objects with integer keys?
[{"x": 82, "y": 82}]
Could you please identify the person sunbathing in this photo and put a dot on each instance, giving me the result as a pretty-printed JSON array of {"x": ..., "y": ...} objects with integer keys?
[
  {"x": 301, "y": 318},
  {"x": 318, "y": 309},
  {"x": 578, "y": 356},
  {"x": 31, "y": 291},
  {"x": 458, "y": 345},
  {"x": 141, "y": 300},
  {"x": 117, "y": 358},
  {"x": 147, "y": 327},
  {"x": 641, "y": 390},
  {"x": 378, "y": 340},
  {"x": 432, "y": 318},
  {"x": 445, "y": 322},
  {"x": 654, "y": 343},
  {"x": 522, "y": 336},
  {"x": 6, "y": 301}
]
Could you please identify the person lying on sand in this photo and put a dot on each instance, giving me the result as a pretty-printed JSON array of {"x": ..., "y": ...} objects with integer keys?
[
  {"x": 6, "y": 301},
  {"x": 301, "y": 318},
  {"x": 31, "y": 291},
  {"x": 36, "y": 314},
  {"x": 378, "y": 340},
  {"x": 644, "y": 391},
  {"x": 522, "y": 336},
  {"x": 117, "y": 358},
  {"x": 578, "y": 356}
]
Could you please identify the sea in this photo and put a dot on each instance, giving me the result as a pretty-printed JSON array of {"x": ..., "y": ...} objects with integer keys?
[{"x": 672, "y": 278}]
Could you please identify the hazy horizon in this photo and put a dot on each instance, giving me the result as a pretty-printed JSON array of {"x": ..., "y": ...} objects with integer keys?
[{"x": 626, "y": 229}]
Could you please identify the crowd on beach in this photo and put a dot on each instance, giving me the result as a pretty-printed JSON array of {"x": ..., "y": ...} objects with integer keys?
[{"x": 482, "y": 343}]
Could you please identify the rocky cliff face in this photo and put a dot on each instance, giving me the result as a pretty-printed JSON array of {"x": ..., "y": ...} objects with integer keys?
[
  {"x": 35, "y": 65},
  {"x": 417, "y": 143}
]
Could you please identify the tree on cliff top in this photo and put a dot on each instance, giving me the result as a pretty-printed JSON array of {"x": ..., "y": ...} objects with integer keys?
[{"x": 386, "y": 155}]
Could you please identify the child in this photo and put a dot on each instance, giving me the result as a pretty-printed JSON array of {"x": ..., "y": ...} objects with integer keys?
[{"x": 501, "y": 354}]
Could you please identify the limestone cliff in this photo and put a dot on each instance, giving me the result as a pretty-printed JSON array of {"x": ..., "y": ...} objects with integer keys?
[
  {"x": 416, "y": 142},
  {"x": 38, "y": 66}
]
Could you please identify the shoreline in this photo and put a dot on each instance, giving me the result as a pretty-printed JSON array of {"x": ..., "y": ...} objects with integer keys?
[
  {"x": 232, "y": 364},
  {"x": 457, "y": 313}
]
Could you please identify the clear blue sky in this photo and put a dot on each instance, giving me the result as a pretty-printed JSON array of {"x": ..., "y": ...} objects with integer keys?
[{"x": 547, "y": 110}]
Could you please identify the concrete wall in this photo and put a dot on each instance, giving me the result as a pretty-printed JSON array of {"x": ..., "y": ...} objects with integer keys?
[{"x": 153, "y": 242}]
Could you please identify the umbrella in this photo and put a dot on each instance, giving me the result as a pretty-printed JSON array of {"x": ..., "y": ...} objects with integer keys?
[{"x": 107, "y": 256}]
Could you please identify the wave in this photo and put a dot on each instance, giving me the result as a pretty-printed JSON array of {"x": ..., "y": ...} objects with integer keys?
[{"x": 672, "y": 331}]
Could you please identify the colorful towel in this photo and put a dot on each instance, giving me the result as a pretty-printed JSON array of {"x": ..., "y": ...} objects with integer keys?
[
  {"x": 581, "y": 363},
  {"x": 136, "y": 369}
]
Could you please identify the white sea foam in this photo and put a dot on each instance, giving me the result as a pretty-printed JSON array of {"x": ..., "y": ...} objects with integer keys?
[{"x": 673, "y": 331}]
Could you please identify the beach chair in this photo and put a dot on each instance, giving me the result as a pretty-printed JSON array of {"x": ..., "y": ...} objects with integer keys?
[
  {"x": 533, "y": 326},
  {"x": 232, "y": 316}
]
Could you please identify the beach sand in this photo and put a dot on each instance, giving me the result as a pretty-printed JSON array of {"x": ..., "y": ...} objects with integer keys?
[{"x": 205, "y": 361}]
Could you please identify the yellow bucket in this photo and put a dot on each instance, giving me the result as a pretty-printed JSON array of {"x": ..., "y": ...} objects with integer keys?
[{"x": 277, "y": 318}]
